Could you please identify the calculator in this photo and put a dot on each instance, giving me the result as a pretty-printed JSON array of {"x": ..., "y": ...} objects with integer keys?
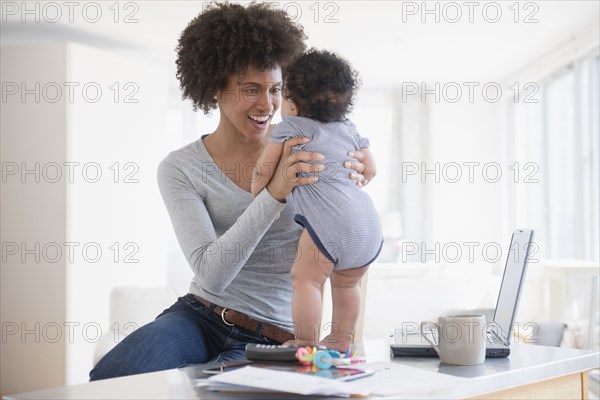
[{"x": 271, "y": 352}]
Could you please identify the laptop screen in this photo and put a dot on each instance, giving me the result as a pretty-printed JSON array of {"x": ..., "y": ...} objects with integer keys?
[{"x": 512, "y": 282}]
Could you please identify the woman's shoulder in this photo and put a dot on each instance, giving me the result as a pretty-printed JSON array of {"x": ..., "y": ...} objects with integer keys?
[
  {"x": 189, "y": 157},
  {"x": 194, "y": 151}
]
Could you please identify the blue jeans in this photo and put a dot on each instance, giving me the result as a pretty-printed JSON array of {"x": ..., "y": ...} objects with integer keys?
[{"x": 186, "y": 333}]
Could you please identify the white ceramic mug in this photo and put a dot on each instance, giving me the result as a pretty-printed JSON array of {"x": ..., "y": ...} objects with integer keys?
[{"x": 461, "y": 338}]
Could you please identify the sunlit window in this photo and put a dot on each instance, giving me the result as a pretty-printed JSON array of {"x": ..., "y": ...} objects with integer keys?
[
  {"x": 373, "y": 119},
  {"x": 556, "y": 142}
]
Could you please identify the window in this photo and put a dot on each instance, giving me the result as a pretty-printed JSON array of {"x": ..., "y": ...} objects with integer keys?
[
  {"x": 373, "y": 119},
  {"x": 554, "y": 150}
]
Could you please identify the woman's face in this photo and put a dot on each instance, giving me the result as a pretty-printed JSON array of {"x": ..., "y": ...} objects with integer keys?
[{"x": 249, "y": 101}]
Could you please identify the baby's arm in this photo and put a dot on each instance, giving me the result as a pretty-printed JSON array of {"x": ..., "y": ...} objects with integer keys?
[
  {"x": 265, "y": 167},
  {"x": 370, "y": 169}
]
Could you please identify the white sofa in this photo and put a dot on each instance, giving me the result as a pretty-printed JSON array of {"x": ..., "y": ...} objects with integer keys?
[
  {"x": 408, "y": 293},
  {"x": 130, "y": 308}
]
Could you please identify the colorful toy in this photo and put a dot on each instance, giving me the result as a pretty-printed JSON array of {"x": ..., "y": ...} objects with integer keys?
[{"x": 325, "y": 359}]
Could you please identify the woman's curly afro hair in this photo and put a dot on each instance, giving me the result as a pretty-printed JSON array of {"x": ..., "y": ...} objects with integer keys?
[
  {"x": 322, "y": 85},
  {"x": 226, "y": 39}
]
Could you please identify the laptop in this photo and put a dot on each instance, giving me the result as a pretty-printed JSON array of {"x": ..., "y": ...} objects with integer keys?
[{"x": 499, "y": 332}]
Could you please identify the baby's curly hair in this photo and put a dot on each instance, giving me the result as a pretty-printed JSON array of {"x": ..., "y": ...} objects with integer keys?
[
  {"x": 322, "y": 85},
  {"x": 226, "y": 39}
]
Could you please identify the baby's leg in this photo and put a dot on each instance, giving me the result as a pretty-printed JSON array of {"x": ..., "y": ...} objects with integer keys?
[
  {"x": 345, "y": 294},
  {"x": 309, "y": 272}
]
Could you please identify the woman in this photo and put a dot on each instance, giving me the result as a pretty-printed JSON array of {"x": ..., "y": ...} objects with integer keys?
[{"x": 240, "y": 249}]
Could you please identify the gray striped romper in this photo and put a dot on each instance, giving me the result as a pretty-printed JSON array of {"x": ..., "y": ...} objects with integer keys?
[{"x": 339, "y": 216}]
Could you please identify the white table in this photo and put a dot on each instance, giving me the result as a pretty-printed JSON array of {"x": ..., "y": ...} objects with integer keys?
[{"x": 529, "y": 372}]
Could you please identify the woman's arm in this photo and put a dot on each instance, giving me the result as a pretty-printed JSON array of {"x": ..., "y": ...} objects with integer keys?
[
  {"x": 216, "y": 260},
  {"x": 265, "y": 167}
]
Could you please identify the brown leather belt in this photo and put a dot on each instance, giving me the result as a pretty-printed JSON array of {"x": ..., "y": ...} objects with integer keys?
[{"x": 232, "y": 317}]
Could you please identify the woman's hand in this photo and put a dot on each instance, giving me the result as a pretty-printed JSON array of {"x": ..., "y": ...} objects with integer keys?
[
  {"x": 357, "y": 168},
  {"x": 286, "y": 178}
]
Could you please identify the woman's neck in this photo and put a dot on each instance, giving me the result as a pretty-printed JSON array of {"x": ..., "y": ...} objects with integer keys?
[
  {"x": 234, "y": 153},
  {"x": 233, "y": 146}
]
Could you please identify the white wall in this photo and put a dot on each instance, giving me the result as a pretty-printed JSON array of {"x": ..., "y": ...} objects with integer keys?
[
  {"x": 470, "y": 209},
  {"x": 445, "y": 175},
  {"x": 73, "y": 212},
  {"x": 122, "y": 213},
  {"x": 33, "y": 212}
]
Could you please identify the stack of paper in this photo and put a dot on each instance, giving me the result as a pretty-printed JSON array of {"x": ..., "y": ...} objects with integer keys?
[
  {"x": 250, "y": 379},
  {"x": 391, "y": 379}
]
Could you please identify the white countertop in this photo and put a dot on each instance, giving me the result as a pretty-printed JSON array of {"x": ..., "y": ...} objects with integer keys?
[{"x": 526, "y": 364}]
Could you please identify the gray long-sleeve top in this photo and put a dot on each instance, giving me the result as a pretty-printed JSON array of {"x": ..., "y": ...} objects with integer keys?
[{"x": 240, "y": 252}]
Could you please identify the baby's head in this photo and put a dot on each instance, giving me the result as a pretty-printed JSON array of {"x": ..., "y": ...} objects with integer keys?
[{"x": 319, "y": 85}]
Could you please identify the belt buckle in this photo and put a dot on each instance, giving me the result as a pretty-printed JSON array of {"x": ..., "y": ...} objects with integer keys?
[{"x": 223, "y": 318}]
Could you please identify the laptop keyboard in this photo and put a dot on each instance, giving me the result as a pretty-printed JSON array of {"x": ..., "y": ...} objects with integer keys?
[
  {"x": 401, "y": 336},
  {"x": 430, "y": 333}
]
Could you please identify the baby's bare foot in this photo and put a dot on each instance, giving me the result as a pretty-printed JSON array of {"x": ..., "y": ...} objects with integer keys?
[{"x": 341, "y": 344}]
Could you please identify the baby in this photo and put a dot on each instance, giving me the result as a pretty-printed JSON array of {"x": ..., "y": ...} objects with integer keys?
[{"x": 342, "y": 234}]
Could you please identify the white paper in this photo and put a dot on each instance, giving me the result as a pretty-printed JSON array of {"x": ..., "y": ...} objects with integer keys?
[
  {"x": 400, "y": 380},
  {"x": 389, "y": 380}
]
